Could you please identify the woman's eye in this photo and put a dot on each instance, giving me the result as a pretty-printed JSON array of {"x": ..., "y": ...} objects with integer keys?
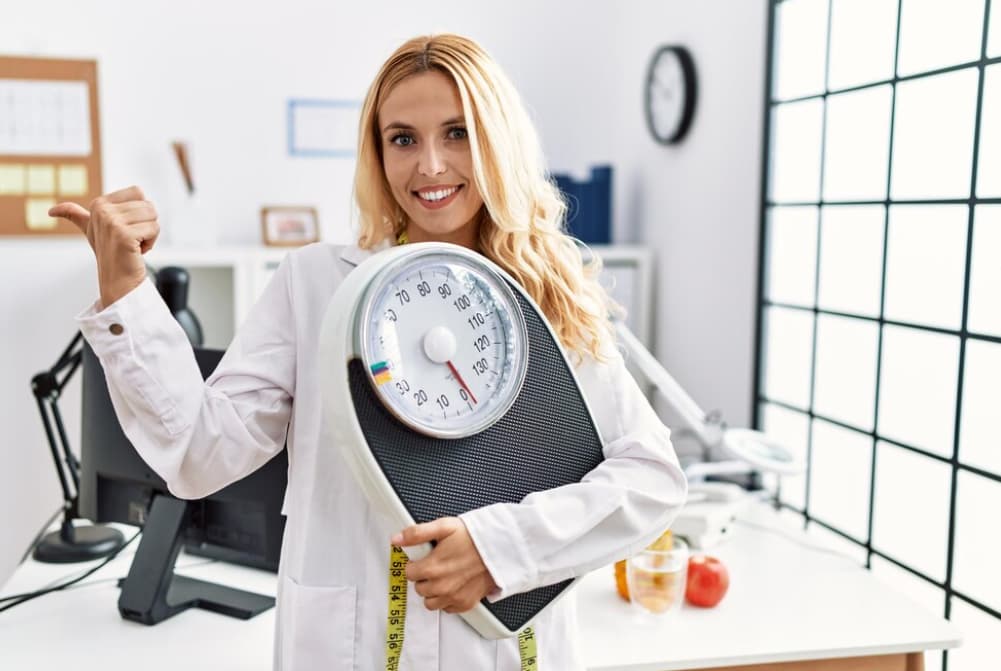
[
  {"x": 457, "y": 133},
  {"x": 403, "y": 140}
]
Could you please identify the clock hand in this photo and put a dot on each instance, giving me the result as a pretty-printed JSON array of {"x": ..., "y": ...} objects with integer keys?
[{"x": 663, "y": 88}]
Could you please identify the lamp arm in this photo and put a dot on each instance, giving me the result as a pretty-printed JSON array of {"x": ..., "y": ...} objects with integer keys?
[
  {"x": 651, "y": 369},
  {"x": 47, "y": 387},
  {"x": 72, "y": 464}
]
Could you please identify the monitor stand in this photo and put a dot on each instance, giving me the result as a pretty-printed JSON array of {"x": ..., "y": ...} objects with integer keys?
[{"x": 152, "y": 593}]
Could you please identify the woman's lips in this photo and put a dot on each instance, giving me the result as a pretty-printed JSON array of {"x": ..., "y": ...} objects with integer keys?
[{"x": 438, "y": 204}]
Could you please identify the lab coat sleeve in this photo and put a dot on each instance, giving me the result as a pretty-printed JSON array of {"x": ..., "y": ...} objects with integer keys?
[
  {"x": 618, "y": 508},
  {"x": 198, "y": 436}
]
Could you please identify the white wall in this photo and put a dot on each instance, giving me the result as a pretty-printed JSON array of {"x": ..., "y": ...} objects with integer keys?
[
  {"x": 697, "y": 203},
  {"x": 219, "y": 76}
]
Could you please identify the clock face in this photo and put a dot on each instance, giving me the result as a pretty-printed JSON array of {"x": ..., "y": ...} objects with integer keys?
[{"x": 670, "y": 94}]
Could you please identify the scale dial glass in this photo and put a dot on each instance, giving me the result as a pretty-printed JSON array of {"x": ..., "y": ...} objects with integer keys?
[{"x": 444, "y": 343}]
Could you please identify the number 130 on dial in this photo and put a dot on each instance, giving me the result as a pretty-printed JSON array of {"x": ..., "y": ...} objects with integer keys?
[{"x": 444, "y": 342}]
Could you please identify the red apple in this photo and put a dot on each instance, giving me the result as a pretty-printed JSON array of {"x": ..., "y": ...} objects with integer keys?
[{"x": 707, "y": 581}]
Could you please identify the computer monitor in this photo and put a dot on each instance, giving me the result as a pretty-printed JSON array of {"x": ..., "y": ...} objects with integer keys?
[{"x": 241, "y": 523}]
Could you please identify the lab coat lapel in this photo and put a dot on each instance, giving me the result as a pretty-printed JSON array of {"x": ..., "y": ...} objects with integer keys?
[{"x": 354, "y": 255}]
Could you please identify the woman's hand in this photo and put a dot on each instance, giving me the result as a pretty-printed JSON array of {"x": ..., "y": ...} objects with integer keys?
[
  {"x": 120, "y": 227},
  {"x": 453, "y": 576}
]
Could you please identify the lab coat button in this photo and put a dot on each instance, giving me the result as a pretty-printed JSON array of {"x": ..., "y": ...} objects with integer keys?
[{"x": 116, "y": 329}]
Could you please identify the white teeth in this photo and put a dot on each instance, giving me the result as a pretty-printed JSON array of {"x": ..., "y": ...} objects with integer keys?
[{"x": 433, "y": 196}]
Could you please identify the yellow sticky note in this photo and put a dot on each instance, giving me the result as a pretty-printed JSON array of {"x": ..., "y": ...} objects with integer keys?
[
  {"x": 72, "y": 180},
  {"x": 13, "y": 179},
  {"x": 42, "y": 179},
  {"x": 36, "y": 214}
]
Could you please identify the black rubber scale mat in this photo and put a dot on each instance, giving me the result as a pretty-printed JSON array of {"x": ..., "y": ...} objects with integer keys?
[{"x": 547, "y": 439}]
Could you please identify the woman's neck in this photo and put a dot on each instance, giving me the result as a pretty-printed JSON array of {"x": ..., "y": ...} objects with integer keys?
[{"x": 467, "y": 236}]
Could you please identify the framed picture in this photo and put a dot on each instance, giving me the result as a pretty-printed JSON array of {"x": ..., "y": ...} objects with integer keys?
[{"x": 289, "y": 226}]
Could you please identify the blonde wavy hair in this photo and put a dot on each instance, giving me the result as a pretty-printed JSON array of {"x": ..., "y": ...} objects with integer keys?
[{"x": 522, "y": 225}]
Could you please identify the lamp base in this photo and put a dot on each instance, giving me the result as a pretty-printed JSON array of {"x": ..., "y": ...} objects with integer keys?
[{"x": 78, "y": 544}]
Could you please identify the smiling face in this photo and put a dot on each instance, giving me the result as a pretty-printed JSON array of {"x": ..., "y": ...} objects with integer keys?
[{"x": 427, "y": 159}]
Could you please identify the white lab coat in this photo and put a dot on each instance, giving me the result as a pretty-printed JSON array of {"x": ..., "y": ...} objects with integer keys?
[{"x": 333, "y": 579}]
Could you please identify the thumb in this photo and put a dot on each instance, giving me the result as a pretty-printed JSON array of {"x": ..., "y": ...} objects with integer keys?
[
  {"x": 425, "y": 533},
  {"x": 75, "y": 213}
]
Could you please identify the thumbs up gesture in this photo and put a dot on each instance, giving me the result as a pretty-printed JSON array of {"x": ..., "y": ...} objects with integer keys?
[{"x": 120, "y": 227}]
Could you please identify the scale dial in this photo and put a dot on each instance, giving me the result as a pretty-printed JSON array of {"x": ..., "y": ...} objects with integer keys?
[{"x": 444, "y": 342}]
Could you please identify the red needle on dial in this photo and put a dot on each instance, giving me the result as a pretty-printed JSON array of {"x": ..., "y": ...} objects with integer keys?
[{"x": 461, "y": 381}]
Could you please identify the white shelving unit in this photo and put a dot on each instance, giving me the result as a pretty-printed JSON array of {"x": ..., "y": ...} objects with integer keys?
[{"x": 225, "y": 282}]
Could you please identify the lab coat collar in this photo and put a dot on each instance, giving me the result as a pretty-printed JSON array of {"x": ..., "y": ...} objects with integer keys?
[{"x": 354, "y": 254}]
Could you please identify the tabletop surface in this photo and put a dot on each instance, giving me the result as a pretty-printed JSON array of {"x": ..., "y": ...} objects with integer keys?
[{"x": 789, "y": 599}]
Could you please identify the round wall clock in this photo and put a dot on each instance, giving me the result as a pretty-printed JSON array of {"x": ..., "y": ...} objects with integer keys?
[{"x": 669, "y": 94}]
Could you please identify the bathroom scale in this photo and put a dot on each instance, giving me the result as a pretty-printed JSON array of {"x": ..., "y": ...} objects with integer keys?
[{"x": 447, "y": 390}]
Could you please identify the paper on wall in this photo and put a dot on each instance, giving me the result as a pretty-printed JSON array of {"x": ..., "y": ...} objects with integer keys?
[
  {"x": 13, "y": 179},
  {"x": 44, "y": 118},
  {"x": 72, "y": 180},
  {"x": 42, "y": 179},
  {"x": 36, "y": 214}
]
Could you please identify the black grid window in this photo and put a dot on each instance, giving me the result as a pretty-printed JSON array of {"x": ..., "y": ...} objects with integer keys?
[{"x": 879, "y": 339}]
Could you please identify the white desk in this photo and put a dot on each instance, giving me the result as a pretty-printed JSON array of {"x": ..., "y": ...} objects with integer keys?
[{"x": 786, "y": 603}]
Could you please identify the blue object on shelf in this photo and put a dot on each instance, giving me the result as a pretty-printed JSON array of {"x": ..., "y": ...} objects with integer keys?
[{"x": 589, "y": 214}]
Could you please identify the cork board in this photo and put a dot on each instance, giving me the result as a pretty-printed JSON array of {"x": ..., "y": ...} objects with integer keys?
[{"x": 50, "y": 142}]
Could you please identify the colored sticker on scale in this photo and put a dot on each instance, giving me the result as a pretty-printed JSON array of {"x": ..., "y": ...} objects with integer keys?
[{"x": 380, "y": 371}]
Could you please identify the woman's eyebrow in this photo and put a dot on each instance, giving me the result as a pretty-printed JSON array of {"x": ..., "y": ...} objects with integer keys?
[{"x": 399, "y": 125}]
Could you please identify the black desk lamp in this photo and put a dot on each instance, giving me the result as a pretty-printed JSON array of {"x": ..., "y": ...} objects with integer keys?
[
  {"x": 70, "y": 543},
  {"x": 83, "y": 543}
]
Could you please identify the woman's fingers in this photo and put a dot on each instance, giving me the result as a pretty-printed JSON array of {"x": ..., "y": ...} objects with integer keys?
[
  {"x": 124, "y": 195},
  {"x": 145, "y": 233},
  {"x": 136, "y": 210}
]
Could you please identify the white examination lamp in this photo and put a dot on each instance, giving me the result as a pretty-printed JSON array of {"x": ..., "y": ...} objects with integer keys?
[
  {"x": 712, "y": 507},
  {"x": 746, "y": 449}
]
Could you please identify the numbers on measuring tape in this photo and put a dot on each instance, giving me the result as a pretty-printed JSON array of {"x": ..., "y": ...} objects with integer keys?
[
  {"x": 527, "y": 649},
  {"x": 397, "y": 607}
]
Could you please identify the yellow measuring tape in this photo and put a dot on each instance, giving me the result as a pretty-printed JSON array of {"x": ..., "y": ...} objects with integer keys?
[
  {"x": 397, "y": 618},
  {"x": 397, "y": 607},
  {"x": 526, "y": 648}
]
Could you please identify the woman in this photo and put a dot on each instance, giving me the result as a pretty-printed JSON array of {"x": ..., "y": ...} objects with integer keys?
[{"x": 446, "y": 153}]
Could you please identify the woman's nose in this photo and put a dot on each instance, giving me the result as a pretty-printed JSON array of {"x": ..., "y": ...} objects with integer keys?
[{"x": 431, "y": 162}]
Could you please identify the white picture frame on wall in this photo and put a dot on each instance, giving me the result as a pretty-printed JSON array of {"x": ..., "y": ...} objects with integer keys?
[{"x": 321, "y": 128}]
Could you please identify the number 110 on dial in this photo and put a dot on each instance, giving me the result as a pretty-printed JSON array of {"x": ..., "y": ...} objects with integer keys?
[{"x": 444, "y": 343}]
